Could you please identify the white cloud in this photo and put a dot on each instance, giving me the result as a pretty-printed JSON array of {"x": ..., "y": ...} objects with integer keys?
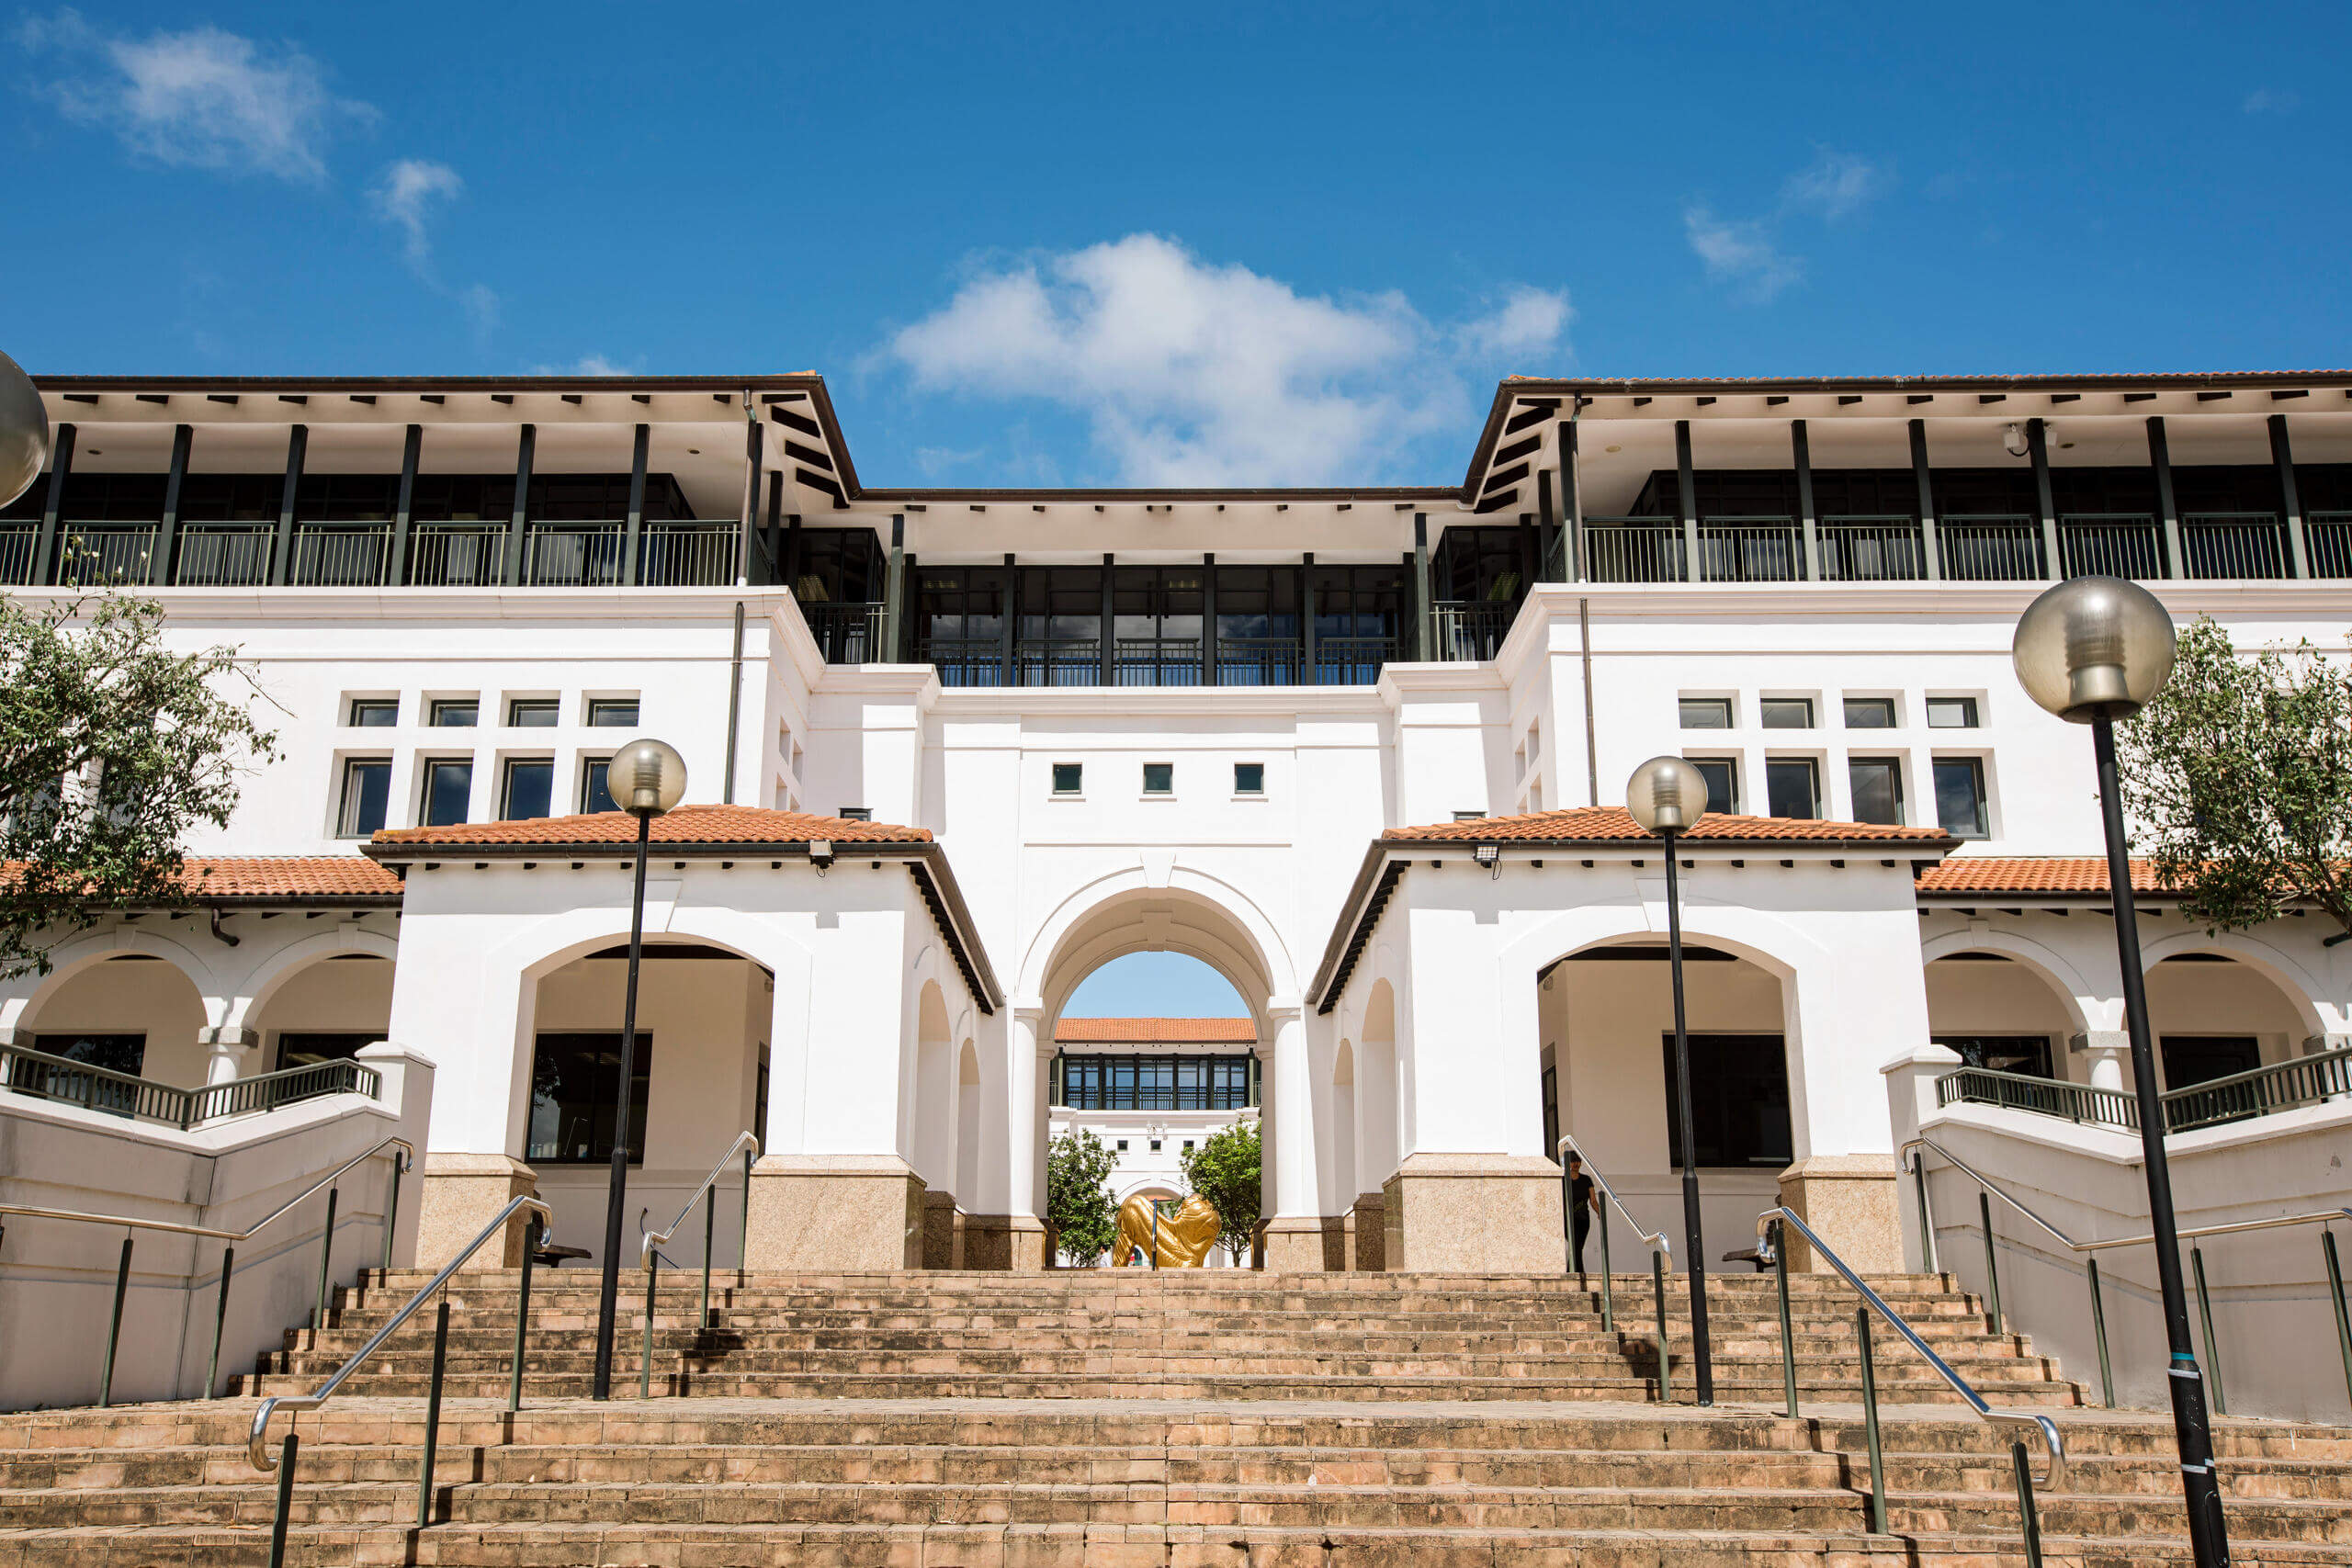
[
  {"x": 1834, "y": 186},
  {"x": 402, "y": 195},
  {"x": 2273, "y": 100},
  {"x": 1740, "y": 254},
  {"x": 202, "y": 99},
  {"x": 586, "y": 365},
  {"x": 1749, "y": 256},
  {"x": 1192, "y": 373}
]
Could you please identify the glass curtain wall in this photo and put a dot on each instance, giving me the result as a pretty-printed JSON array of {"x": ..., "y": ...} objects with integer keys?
[
  {"x": 1156, "y": 624},
  {"x": 1258, "y": 626}
]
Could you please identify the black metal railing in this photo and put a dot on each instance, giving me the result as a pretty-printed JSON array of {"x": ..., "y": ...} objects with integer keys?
[
  {"x": 1259, "y": 662},
  {"x": 101, "y": 555},
  {"x": 1634, "y": 550},
  {"x": 1470, "y": 630},
  {"x": 966, "y": 660},
  {"x": 1885, "y": 549},
  {"x": 2329, "y": 537},
  {"x": 340, "y": 555},
  {"x": 676, "y": 554},
  {"x": 1058, "y": 660},
  {"x": 2282, "y": 1086},
  {"x": 1974, "y": 547},
  {"x": 847, "y": 633},
  {"x": 1156, "y": 662},
  {"x": 1353, "y": 661},
  {"x": 44, "y": 1077},
  {"x": 2045, "y": 1097}
]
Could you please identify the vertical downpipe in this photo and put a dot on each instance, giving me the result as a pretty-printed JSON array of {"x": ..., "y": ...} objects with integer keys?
[{"x": 734, "y": 707}]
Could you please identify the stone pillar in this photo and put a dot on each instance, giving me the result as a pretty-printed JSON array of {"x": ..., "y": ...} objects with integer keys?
[
  {"x": 456, "y": 1198},
  {"x": 1852, "y": 1202},
  {"x": 1372, "y": 1234},
  {"x": 1014, "y": 1237},
  {"x": 2110, "y": 1051},
  {"x": 229, "y": 1051},
  {"x": 940, "y": 1240},
  {"x": 1295, "y": 1229},
  {"x": 1448, "y": 1213},
  {"x": 836, "y": 1213}
]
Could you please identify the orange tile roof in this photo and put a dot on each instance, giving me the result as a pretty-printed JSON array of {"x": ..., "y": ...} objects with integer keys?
[
  {"x": 1154, "y": 1031},
  {"x": 1615, "y": 825},
  {"x": 289, "y": 878},
  {"x": 686, "y": 824},
  {"x": 2036, "y": 874}
]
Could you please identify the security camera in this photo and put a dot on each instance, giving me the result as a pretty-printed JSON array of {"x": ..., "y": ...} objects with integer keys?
[
  {"x": 821, "y": 854},
  {"x": 2013, "y": 440}
]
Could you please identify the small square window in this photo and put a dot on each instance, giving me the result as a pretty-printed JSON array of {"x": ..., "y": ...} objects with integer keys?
[
  {"x": 856, "y": 814},
  {"x": 1721, "y": 774},
  {"x": 1159, "y": 778},
  {"x": 531, "y": 712},
  {"x": 375, "y": 713},
  {"x": 1793, "y": 787},
  {"x": 448, "y": 789},
  {"x": 1069, "y": 778},
  {"x": 529, "y": 790},
  {"x": 1122, "y": 1145},
  {"x": 1870, "y": 713},
  {"x": 611, "y": 712},
  {"x": 1188, "y": 1145},
  {"x": 367, "y": 787},
  {"x": 1960, "y": 797},
  {"x": 1249, "y": 778},
  {"x": 1706, "y": 713},
  {"x": 596, "y": 785},
  {"x": 456, "y": 713},
  {"x": 1952, "y": 713},
  {"x": 1786, "y": 713},
  {"x": 1877, "y": 789},
  {"x": 1155, "y": 1145}
]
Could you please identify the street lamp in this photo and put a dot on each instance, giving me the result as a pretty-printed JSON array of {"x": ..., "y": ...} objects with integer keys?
[
  {"x": 24, "y": 432},
  {"x": 2093, "y": 651},
  {"x": 646, "y": 778},
  {"x": 1667, "y": 795}
]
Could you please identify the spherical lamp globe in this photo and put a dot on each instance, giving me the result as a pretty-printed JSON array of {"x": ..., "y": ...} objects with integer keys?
[
  {"x": 647, "y": 777},
  {"x": 24, "y": 432},
  {"x": 2094, "y": 648},
  {"x": 1666, "y": 795}
]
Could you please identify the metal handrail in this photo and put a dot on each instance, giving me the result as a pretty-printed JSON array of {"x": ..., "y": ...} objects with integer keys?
[
  {"x": 652, "y": 1239},
  {"x": 1661, "y": 1258},
  {"x": 1871, "y": 1298},
  {"x": 257, "y": 1438},
  {"x": 650, "y": 1244},
  {"x": 1656, "y": 1242}
]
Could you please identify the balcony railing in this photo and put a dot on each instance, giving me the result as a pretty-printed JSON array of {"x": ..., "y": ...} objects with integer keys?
[
  {"x": 2234, "y": 544},
  {"x": 2110, "y": 544},
  {"x": 45, "y": 1076},
  {"x": 2283, "y": 1086},
  {"x": 340, "y": 555},
  {"x": 461, "y": 553},
  {"x": 573, "y": 554},
  {"x": 1980, "y": 548},
  {"x": 1352, "y": 661},
  {"x": 18, "y": 541},
  {"x": 966, "y": 660},
  {"x": 1871, "y": 549},
  {"x": 847, "y": 633},
  {"x": 1156, "y": 662},
  {"x": 1634, "y": 550},
  {"x": 100, "y": 555},
  {"x": 1059, "y": 660},
  {"x": 1470, "y": 631},
  {"x": 674, "y": 554},
  {"x": 1750, "y": 550},
  {"x": 1260, "y": 662},
  {"x": 2329, "y": 535},
  {"x": 2045, "y": 1097}
]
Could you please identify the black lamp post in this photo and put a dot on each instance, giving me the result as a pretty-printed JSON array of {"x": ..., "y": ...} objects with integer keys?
[
  {"x": 644, "y": 778},
  {"x": 1666, "y": 795},
  {"x": 24, "y": 432},
  {"x": 2093, "y": 651}
]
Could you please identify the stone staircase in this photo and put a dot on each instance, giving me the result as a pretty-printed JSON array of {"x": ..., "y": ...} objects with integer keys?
[{"x": 1176, "y": 1419}]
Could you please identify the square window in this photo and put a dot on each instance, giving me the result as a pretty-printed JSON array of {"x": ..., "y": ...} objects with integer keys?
[
  {"x": 529, "y": 790},
  {"x": 1870, "y": 713},
  {"x": 856, "y": 814},
  {"x": 1155, "y": 1145},
  {"x": 448, "y": 789},
  {"x": 611, "y": 712},
  {"x": 1069, "y": 778},
  {"x": 1793, "y": 787},
  {"x": 1159, "y": 778},
  {"x": 575, "y": 1091},
  {"x": 1952, "y": 713},
  {"x": 1249, "y": 778},
  {"x": 375, "y": 713},
  {"x": 531, "y": 712},
  {"x": 1188, "y": 1145},
  {"x": 1122, "y": 1145},
  {"x": 1721, "y": 774},
  {"x": 1786, "y": 713},
  {"x": 367, "y": 789},
  {"x": 1706, "y": 713},
  {"x": 1960, "y": 797},
  {"x": 456, "y": 713},
  {"x": 596, "y": 785},
  {"x": 1877, "y": 789}
]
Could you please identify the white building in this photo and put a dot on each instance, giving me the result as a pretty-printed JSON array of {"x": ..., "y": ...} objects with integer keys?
[{"x": 954, "y": 750}]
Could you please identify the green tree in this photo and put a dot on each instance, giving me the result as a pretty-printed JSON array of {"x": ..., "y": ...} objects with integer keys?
[
  {"x": 1225, "y": 1169},
  {"x": 112, "y": 747},
  {"x": 2238, "y": 780},
  {"x": 1078, "y": 1195}
]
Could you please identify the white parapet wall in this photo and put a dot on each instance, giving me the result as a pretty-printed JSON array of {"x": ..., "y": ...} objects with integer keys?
[
  {"x": 57, "y": 1277},
  {"x": 2274, "y": 1350}
]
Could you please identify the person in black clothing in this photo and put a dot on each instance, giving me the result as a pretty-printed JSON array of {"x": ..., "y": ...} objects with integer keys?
[{"x": 1584, "y": 1201}]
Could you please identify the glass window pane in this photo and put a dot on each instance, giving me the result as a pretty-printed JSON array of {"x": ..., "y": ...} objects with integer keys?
[
  {"x": 1069, "y": 778},
  {"x": 456, "y": 713},
  {"x": 1959, "y": 796},
  {"x": 375, "y": 713},
  {"x": 1870, "y": 713},
  {"x": 531, "y": 712},
  {"x": 1952, "y": 713},
  {"x": 1159, "y": 778},
  {"x": 595, "y": 793},
  {"x": 1786, "y": 713},
  {"x": 530, "y": 788},
  {"x": 1878, "y": 790},
  {"x": 367, "y": 787},
  {"x": 575, "y": 1084},
  {"x": 1790, "y": 788},
  {"x": 1249, "y": 778},
  {"x": 613, "y": 712},
  {"x": 448, "y": 786},
  {"x": 1739, "y": 1101},
  {"x": 1723, "y": 782},
  {"x": 1706, "y": 713}
]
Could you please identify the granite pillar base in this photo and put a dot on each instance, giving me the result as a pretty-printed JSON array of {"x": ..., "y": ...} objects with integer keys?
[
  {"x": 1854, "y": 1204},
  {"x": 836, "y": 1213},
  {"x": 461, "y": 1193},
  {"x": 1472, "y": 1214}
]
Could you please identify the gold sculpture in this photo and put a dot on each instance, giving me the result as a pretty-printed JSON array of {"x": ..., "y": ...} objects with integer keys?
[{"x": 1183, "y": 1239}]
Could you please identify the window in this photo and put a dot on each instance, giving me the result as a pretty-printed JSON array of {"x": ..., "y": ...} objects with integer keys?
[
  {"x": 575, "y": 1093},
  {"x": 1159, "y": 778},
  {"x": 113, "y": 1052},
  {"x": 2199, "y": 1058},
  {"x": 456, "y": 713},
  {"x": 1069, "y": 778},
  {"x": 1786, "y": 713},
  {"x": 1155, "y": 1145},
  {"x": 1469, "y": 817},
  {"x": 531, "y": 712},
  {"x": 1122, "y": 1145},
  {"x": 448, "y": 789},
  {"x": 611, "y": 712},
  {"x": 1739, "y": 1101},
  {"x": 1155, "y": 1083},
  {"x": 1721, "y": 774},
  {"x": 2025, "y": 1053},
  {"x": 1960, "y": 797},
  {"x": 1552, "y": 1114},
  {"x": 375, "y": 713},
  {"x": 1870, "y": 713},
  {"x": 1706, "y": 713},
  {"x": 1877, "y": 789},
  {"x": 529, "y": 791},
  {"x": 596, "y": 785},
  {"x": 1249, "y": 778},
  {"x": 1791, "y": 787},
  {"x": 307, "y": 1049},
  {"x": 856, "y": 814},
  {"x": 1952, "y": 713},
  {"x": 367, "y": 788}
]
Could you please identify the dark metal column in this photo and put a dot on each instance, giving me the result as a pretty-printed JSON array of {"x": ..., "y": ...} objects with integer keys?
[
  {"x": 1695, "y": 1261},
  {"x": 633, "y": 531},
  {"x": 1307, "y": 619},
  {"x": 2037, "y": 445},
  {"x": 1547, "y": 521},
  {"x": 1102, "y": 643},
  {"x": 1808, "y": 519},
  {"x": 894, "y": 592},
  {"x": 1686, "y": 500},
  {"x": 772, "y": 531},
  {"x": 2167, "y": 510},
  {"x": 297, "y": 444},
  {"x": 2290, "y": 501},
  {"x": 754, "y": 447},
  {"x": 60, "y": 470},
  {"x": 404, "y": 508},
  {"x": 1572, "y": 491},
  {"x": 168, "y": 535},
  {"x": 1010, "y": 619},
  {"x": 792, "y": 554},
  {"x": 1208, "y": 619},
  {"x": 525, "y": 445},
  {"x": 1927, "y": 542},
  {"x": 1424, "y": 610},
  {"x": 1531, "y": 556},
  {"x": 909, "y": 651}
]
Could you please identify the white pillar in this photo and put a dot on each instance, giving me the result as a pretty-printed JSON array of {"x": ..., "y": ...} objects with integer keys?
[
  {"x": 2110, "y": 1050},
  {"x": 1293, "y": 1116},
  {"x": 1026, "y": 1093},
  {"x": 228, "y": 1052}
]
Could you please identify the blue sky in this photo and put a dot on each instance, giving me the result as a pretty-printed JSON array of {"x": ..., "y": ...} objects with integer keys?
[
  {"x": 1155, "y": 984},
  {"x": 1274, "y": 243}
]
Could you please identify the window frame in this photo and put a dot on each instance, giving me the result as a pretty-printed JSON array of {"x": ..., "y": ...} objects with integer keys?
[
  {"x": 1726, "y": 707},
  {"x": 594, "y": 715},
  {"x": 390, "y": 706},
  {"x": 1764, "y": 706},
  {"x": 1246, "y": 791},
  {"x": 1894, "y": 766},
  {"x": 506, "y": 787},
  {"x": 1716, "y": 1089},
  {"x": 1811, "y": 767},
  {"x": 1167, "y": 789},
  {"x": 429, "y": 769},
  {"x": 1730, "y": 763},
  {"x": 551, "y": 707},
  {"x": 594, "y": 783},
  {"x": 344, "y": 813},
  {"x": 1969, "y": 706},
  {"x": 640, "y": 1083},
  {"x": 1076, "y": 790},
  {"x": 440, "y": 713},
  {"x": 1975, "y": 766},
  {"x": 1883, "y": 704}
]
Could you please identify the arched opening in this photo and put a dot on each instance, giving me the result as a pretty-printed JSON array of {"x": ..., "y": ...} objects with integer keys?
[
  {"x": 129, "y": 1012},
  {"x": 325, "y": 1010},
  {"x": 2215, "y": 1014},
  {"x": 1606, "y": 1019},
  {"x": 2002, "y": 1011},
  {"x": 703, "y": 1016},
  {"x": 968, "y": 1119}
]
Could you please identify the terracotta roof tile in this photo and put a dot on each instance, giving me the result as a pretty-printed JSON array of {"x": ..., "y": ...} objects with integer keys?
[
  {"x": 1614, "y": 825},
  {"x": 287, "y": 878},
  {"x": 2037, "y": 874},
  {"x": 1154, "y": 1031},
  {"x": 686, "y": 824}
]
